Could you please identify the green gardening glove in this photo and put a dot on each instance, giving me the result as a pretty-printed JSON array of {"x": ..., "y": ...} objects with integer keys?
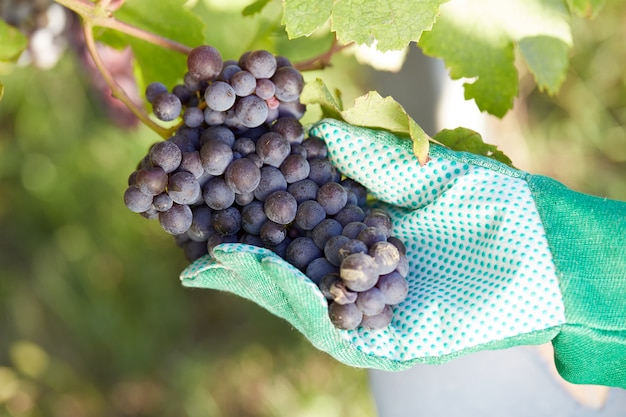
[{"x": 497, "y": 257}]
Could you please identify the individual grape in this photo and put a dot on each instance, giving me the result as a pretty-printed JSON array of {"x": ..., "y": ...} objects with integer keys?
[
  {"x": 253, "y": 240},
  {"x": 183, "y": 93},
  {"x": 309, "y": 214},
  {"x": 326, "y": 229},
  {"x": 290, "y": 128},
  {"x": 295, "y": 168},
  {"x": 213, "y": 117},
  {"x": 264, "y": 88},
  {"x": 280, "y": 207},
  {"x": 341, "y": 294},
  {"x": 217, "y": 239},
  {"x": 253, "y": 217},
  {"x": 381, "y": 221},
  {"x": 370, "y": 302},
  {"x": 184, "y": 143},
  {"x": 201, "y": 224},
  {"x": 322, "y": 171},
  {"x": 291, "y": 109},
  {"x": 227, "y": 221},
  {"x": 386, "y": 256},
  {"x": 176, "y": 220},
  {"x": 289, "y": 84},
  {"x": 371, "y": 235},
  {"x": 273, "y": 148},
  {"x": 136, "y": 201},
  {"x": 204, "y": 62},
  {"x": 244, "y": 146},
  {"x": 353, "y": 229},
  {"x": 326, "y": 282},
  {"x": 358, "y": 189},
  {"x": 217, "y": 194},
  {"x": 151, "y": 181},
  {"x": 243, "y": 82},
  {"x": 193, "y": 117},
  {"x": 345, "y": 316},
  {"x": 350, "y": 213},
  {"x": 315, "y": 148},
  {"x": 232, "y": 122},
  {"x": 378, "y": 321},
  {"x": 318, "y": 268},
  {"x": 282, "y": 61},
  {"x": 350, "y": 247},
  {"x": 394, "y": 287},
  {"x": 403, "y": 266},
  {"x": 215, "y": 157},
  {"x": 298, "y": 149},
  {"x": 301, "y": 252},
  {"x": 218, "y": 133},
  {"x": 219, "y": 96},
  {"x": 192, "y": 163},
  {"x": 150, "y": 214},
  {"x": 303, "y": 190},
  {"x": 256, "y": 159},
  {"x": 359, "y": 271},
  {"x": 281, "y": 248},
  {"x": 194, "y": 250},
  {"x": 181, "y": 239},
  {"x": 251, "y": 111},
  {"x": 272, "y": 233},
  {"x": 166, "y": 155},
  {"x": 166, "y": 106},
  {"x": 331, "y": 249},
  {"x": 262, "y": 64},
  {"x": 162, "y": 202},
  {"x": 132, "y": 178},
  {"x": 271, "y": 180},
  {"x": 332, "y": 196},
  {"x": 183, "y": 187},
  {"x": 191, "y": 82},
  {"x": 272, "y": 114},
  {"x": 398, "y": 244},
  {"x": 228, "y": 71},
  {"x": 242, "y": 176},
  {"x": 153, "y": 90},
  {"x": 244, "y": 199}
]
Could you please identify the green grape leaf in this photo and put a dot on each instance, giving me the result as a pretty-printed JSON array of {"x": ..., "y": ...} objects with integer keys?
[
  {"x": 391, "y": 25},
  {"x": 586, "y": 8},
  {"x": 12, "y": 42},
  {"x": 477, "y": 40},
  {"x": 254, "y": 8},
  {"x": 467, "y": 140},
  {"x": 155, "y": 62},
  {"x": 371, "y": 111}
]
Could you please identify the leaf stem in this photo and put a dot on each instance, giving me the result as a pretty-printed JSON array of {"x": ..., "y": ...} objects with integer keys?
[
  {"x": 322, "y": 60},
  {"x": 117, "y": 91}
]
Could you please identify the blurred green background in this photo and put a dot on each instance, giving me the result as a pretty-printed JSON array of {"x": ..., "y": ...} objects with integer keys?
[{"x": 93, "y": 321}]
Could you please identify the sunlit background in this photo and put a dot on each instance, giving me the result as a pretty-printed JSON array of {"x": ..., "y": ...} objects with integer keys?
[{"x": 93, "y": 320}]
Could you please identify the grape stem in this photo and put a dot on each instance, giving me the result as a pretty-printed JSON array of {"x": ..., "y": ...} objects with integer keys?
[{"x": 322, "y": 60}]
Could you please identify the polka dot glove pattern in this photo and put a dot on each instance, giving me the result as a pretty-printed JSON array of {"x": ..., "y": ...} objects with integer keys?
[{"x": 481, "y": 272}]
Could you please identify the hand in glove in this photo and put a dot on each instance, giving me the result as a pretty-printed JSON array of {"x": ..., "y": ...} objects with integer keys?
[{"x": 497, "y": 257}]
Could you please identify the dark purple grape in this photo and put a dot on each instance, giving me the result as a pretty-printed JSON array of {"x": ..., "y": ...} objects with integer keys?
[
  {"x": 194, "y": 250},
  {"x": 136, "y": 201},
  {"x": 291, "y": 109},
  {"x": 244, "y": 146},
  {"x": 191, "y": 82},
  {"x": 332, "y": 196},
  {"x": 183, "y": 93},
  {"x": 193, "y": 117},
  {"x": 290, "y": 128},
  {"x": 162, "y": 202},
  {"x": 271, "y": 180},
  {"x": 252, "y": 111},
  {"x": 228, "y": 71},
  {"x": 184, "y": 143},
  {"x": 150, "y": 214},
  {"x": 303, "y": 190},
  {"x": 217, "y": 239},
  {"x": 394, "y": 287},
  {"x": 301, "y": 252},
  {"x": 370, "y": 302},
  {"x": 345, "y": 316},
  {"x": 265, "y": 88},
  {"x": 326, "y": 282},
  {"x": 166, "y": 155},
  {"x": 359, "y": 190},
  {"x": 309, "y": 214},
  {"x": 331, "y": 249},
  {"x": 341, "y": 294},
  {"x": 315, "y": 147},
  {"x": 218, "y": 133},
  {"x": 289, "y": 84},
  {"x": 359, "y": 271},
  {"x": 295, "y": 168},
  {"x": 353, "y": 229},
  {"x": 273, "y": 148},
  {"x": 272, "y": 233},
  {"x": 381, "y": 221},
  {"x": 214, "y": 117},
  {"x": 349, "y": 214},
  {"x": 403, "y": 266},
  {"x": 219, "y": 96},
  {"x": 204, "y": 63},
  {"x": 215, "y": 157},
  {"x": 176, "y": 220},
  {"x": 217, "y": 194},
  {"x": 183, "y": 187},
  {"x": 201, "y": 224},
  {"x": 242, "y": 176},
  {"x": 166, "y": 106},
  {"x": 152, "y": 180},
  {"x": 262, "y": 64},
  {"x": 253, "y": 217},
  {"x": 280, "y": 207},
  {"x": 371, "y": 235},
  {"x": 192, "y": 163},
  {"x": 350, "y": 247},
  {"x": 322, "y": 171},
  {"x": 243, "y": 82},
  {"x": 227, "y": 221},
  {"x": 398, "y": 244},
  {"x": 153, "y": 90},
  {"x": 378, "y": 321},
  {"x": 326, "y": 229},
  {"x": 281, "y": 248},
  {"x": 318, "y": 268},
  {"x": 385, "y": 255},
  {"x": 253, "y": 240}
]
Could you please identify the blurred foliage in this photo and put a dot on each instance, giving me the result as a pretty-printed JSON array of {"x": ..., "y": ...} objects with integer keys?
[
  {"x": 93, "y": 320},
  {"x": 579, "y": 135}
]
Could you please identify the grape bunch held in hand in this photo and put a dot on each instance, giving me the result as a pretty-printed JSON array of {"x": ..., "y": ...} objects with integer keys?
[{"x": 240, "y": 170}]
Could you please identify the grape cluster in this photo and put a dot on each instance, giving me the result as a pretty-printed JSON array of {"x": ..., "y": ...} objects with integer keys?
[{"x": 239, "y": 170}]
